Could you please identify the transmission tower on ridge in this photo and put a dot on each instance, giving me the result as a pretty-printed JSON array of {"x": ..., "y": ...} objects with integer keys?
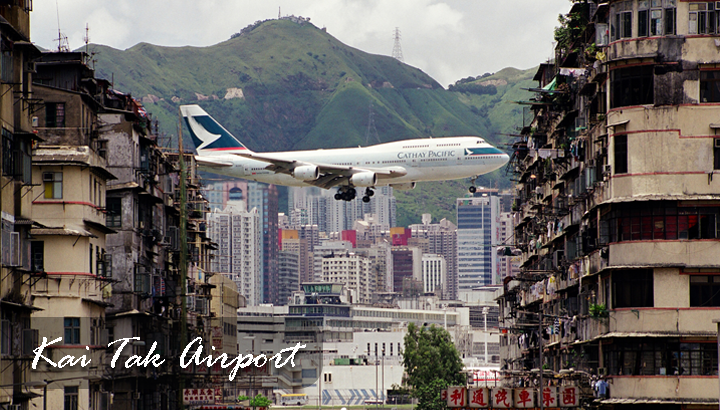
[
  {"x": 371, "y": 130},
  {"x": 397, "y": 50}
]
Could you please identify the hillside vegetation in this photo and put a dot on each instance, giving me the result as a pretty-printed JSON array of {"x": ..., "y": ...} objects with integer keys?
[{"x": 282, "y": 86}]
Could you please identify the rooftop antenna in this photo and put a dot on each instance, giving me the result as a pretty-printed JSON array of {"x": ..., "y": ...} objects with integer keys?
[
  {"x": 63, "y": 44},
  {"x": 278, "y": 12},
  {"x": 397, "y": 50},
  {"x": 371, "y": 126},
  {"x": 86, "y": 39}
]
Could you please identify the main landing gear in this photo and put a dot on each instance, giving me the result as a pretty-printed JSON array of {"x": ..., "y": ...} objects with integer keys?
[
  {"x": 472, "y": 188},
  {"x": 349, "y": 193},
  {"x": 368, "y": 193}
]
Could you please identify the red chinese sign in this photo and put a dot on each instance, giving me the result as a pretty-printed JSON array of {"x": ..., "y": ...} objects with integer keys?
[
  {"x": 443, "y": 394},
  {"x": 569, "y": 396},
  {"x": 549, "y": 396},
  {"x": 456, "y": 396},
  {"x": 502, "y": 398},
  {"x": 524, "y": 398},
  {"x": 200, "y": 396},
  {"x": 479, "y": 398}
]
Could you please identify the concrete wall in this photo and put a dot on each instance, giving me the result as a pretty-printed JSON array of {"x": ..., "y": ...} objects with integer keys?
[
  {"x": 689, "y": 253},
  {"x": 697, "y": 387}
]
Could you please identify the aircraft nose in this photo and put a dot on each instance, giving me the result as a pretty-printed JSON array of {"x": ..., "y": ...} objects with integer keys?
[{"x": 505, "y": 158}]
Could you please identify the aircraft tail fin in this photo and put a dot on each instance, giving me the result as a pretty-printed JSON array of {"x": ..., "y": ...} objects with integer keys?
[{"x": 207, "y": 134}]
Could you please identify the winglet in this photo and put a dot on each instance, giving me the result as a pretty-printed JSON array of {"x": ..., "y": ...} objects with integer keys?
[{"x": 207, "y": 134}]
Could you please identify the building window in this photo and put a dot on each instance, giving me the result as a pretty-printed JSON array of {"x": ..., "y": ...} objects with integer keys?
[
  {"x": 660, "y": 357},
  {"x": 663, "y": 221},
  {"x": 114, "y": 213},
  {"x": 656, "y": 17},
  {"x": 55, "y": 115},
  {"x": 631, "y": 86},
  {"x": 716, "y": 153},
  {"x": 53, "y": 184},
  {"x": 91, "y": 259},
  {"x": 621, "y": 154},
  {"x": 37, "y": 256},
  {"x": 71, "y": 398},
  {"x": 8, "y": 166},
  {"x": 702, "y": 18},
  {"x": 704, "y": 290},
  {"x": 5, "y": 337},
  {"x": 632, "y": 288},
  {"x": 709, "y": 86},
  {"x": 72, "y": 331},
  {"x": 670, "y": 12},
  {"x": 621, "y": 24}
]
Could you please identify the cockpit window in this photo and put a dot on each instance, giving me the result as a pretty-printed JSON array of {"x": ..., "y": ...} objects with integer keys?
[{"x": 480, "y": 141}]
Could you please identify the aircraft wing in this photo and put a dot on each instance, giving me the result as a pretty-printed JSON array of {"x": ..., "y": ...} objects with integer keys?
[
  {"x": 330, "y": 175},
  {"x": 211, "y": 163}
]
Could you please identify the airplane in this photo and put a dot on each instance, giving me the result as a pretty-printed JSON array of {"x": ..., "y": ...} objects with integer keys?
[{"x": 399, "y": 164}]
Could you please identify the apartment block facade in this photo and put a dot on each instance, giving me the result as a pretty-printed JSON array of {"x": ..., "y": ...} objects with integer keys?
[{"x": 617, "y": 207}]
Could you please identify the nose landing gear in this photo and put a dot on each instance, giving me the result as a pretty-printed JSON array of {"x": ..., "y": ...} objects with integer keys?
[{"x": 472, "y": 188}]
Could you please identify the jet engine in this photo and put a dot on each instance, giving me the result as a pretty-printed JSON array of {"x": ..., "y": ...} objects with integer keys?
[
  {"x": 306, "y": 173},
  {"x": 404, "y": 187},
  {"x": 366, "y": 179}
]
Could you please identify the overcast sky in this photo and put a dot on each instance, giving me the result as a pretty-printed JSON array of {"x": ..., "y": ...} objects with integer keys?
[{"x": 448, "y": 39}]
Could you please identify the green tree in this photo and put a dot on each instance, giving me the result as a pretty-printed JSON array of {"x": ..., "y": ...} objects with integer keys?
[
  {"x": 432, "y": 363},
  {"x": 260, "y": 401}
]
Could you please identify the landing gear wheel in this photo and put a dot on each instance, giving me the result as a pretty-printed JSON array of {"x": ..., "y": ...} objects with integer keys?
[
  {"x": 366, "y": 199},
  {"x": 352, "y": 192},
  {"x": 472, "y": 188},
  {"x": 369, "y": 192},
  {"x": 338, "y": 196}
]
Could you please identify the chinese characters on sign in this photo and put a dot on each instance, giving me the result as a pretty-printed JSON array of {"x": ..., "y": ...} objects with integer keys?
[
  {"x": 502, "y": 397},
  {"x": 479, "y": 397},
  {"x": 200, "y": 396},
  {"x": 569, "y": 396},
  {"x": 456, "y": 396},
  {"x": 549, "y": 396},
  {"x": 524, "y": 398},
  {"x": 510, "y": 398}
]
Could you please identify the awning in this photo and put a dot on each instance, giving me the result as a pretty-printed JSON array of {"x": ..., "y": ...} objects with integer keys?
[
  {"x": 61, "y": 231},
  {"x": 678, "y": 400},
  {"x": 19, "y": 305},
  {"x": 551, "y": 86},
  {"x": 656, "y": 334},
  {"x": 97, "y": 302},
  {"x": 100, "y": 227}
]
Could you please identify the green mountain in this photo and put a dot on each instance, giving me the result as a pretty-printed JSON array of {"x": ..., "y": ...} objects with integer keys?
[{"x": 283, "y": 85}]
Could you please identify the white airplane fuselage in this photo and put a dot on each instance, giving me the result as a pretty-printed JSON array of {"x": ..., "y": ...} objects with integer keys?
[{"x": 429, "y": 159}]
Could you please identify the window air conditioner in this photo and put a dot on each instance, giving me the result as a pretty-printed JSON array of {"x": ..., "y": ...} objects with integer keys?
[{"x": 717, "y": 140}]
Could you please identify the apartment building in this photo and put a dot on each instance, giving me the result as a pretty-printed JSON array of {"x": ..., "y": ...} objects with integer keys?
[
  {"x": 476, "y": 257},
  {"x": 69, "y": 238},
  {"x": 18, "y": 272},
  {"x": 441, "y": 239},
  {"x": 354, "y": 272},
  {"x": 617, "y": 207},
  {"x": 236, "y": 232}
]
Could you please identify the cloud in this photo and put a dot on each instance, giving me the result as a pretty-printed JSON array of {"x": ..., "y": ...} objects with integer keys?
[{"x": 448, "y": 39}]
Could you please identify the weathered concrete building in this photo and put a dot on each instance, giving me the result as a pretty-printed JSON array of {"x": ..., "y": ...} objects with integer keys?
[
  {"x": 17, "y": 338},
  {"x": 69, "y": 241},
  {"x": 142, "y": 209},
  {"x": 617, "y": 207}
]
